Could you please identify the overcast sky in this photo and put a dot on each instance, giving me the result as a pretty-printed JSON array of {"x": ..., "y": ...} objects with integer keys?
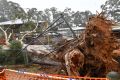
[{"x": 76, "y": 5}]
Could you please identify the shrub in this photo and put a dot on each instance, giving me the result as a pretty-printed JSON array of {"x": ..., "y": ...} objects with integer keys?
[
  {"x": 15, "y": 53},
  {"x": 3, "y": 55}
]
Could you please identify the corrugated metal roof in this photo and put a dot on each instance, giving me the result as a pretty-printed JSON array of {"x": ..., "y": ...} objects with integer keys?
[
  {"x": 73, "y": 28},
  {"x": 17, "y": 21},
  {"x": 116, "y": 27}
]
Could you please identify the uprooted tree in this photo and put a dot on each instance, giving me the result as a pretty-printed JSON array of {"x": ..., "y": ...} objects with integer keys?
[{"x": 94, "y": 53}]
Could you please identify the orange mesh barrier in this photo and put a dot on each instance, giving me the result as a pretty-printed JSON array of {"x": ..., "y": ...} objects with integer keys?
[
  {"x": 17, "y": 75},
  {"x": 2, "y": 75}
]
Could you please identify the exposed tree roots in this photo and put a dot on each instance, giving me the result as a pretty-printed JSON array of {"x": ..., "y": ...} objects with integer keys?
[{"x": 94, "y": 53}]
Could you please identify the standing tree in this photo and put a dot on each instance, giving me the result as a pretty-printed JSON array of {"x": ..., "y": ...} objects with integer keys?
[
  {"x": 79, "y": 18},
  {"x": 55, "y": 13},
  {"x": 67, "y": 14},
  {"x": 30, "y": 22},
  {"x": 112, "y": 9},
  {"x": 47, "y": 15},
  {"x": 11, "y": 11},
  {"x": 4, "y": 9}
]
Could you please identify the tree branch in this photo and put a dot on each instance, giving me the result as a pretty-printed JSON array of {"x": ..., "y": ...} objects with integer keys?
[
  {"x": 5, "y": 33},
  {"x": 10, "y": 35},
  {"x": 7, "y": 28},
  {"x": 30, "y": 32}
]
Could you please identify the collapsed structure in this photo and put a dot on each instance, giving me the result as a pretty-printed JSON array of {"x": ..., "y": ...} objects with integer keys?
[{"x": 94, "y": 53}]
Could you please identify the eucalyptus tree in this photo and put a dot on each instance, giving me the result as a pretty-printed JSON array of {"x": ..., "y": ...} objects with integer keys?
[
  {"x": 4, "y": 9},
  {"x": 80, "y": 18},
  {"x": 112, "y": 9},
  {"x": 13, "y": 11}
]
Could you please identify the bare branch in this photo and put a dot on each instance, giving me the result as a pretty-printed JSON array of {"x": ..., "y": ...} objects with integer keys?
[
  {"x": 30, "y": 31},
  {"x": 5, "y": 33},
  {"x": 10, "y": 35},
  {"x": 36, "y": 27},
  {"x": 7, "y": 28}
]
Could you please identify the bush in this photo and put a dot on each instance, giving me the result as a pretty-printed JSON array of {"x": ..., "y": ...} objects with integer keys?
[
  {"x": 3, "y": 55},
  {"x": 15, "y": 46},
  {"x": 15, "y": 53},
  {"x": 12, "y": 56}
]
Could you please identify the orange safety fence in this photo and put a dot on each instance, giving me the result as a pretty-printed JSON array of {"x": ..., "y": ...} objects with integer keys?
[{"x": 8, "y": 74}]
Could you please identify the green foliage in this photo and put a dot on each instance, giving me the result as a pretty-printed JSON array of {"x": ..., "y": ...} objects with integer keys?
[
  {"x": 3, "y": 55},
  {"x": 0, "y": 46},
  {"x": 28, "y": 26},
  {"x": 15, "y": 48},
  {"x": 111, "y": 8},
  {"x": 11, "y": 56},
  {"x": 15, "y": 45},
  {"x": 11, "y": 10}
]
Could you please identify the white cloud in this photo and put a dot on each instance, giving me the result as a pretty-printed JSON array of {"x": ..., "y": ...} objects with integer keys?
[{"x": 80, "y": 5}]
